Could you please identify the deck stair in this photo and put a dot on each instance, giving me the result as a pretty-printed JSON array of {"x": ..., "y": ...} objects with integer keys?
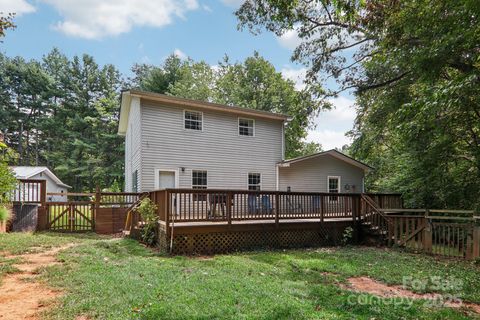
[
  {"x": 130, "y": 224},
  {"x": 374, "y": 221}
]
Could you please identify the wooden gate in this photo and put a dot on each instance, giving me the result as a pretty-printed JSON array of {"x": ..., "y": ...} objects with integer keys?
[
  {"x": 71, "y": 216},
  {"x": 450, "y": 236}
]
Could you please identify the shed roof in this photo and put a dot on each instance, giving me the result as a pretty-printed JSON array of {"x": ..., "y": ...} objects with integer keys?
[{"x": 26, "y": 172}]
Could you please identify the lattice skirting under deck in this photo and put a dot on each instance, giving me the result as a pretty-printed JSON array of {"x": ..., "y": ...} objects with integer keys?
[{"x": 228, "y": 241}]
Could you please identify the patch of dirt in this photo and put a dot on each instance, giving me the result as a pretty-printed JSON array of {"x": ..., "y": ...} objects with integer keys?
[
  {"x": 21, "y": 296},
  {"x": 371, "y": 286}
]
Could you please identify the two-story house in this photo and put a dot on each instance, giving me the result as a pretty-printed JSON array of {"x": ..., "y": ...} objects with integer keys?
[{"x": 172, "y": 142}]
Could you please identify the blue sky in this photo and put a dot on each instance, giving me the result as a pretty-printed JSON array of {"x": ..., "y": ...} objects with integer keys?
[{"x": 123, "y": 32}]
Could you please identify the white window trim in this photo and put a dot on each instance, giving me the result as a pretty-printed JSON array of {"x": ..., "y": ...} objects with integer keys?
[
  {"x": 157, "y": 176},
  {"x": 192, "y": 130},
  {"x": 191, "y": 176},
  {"x": 261, "y": 179},
  {"x": 238, "y": 127},
  {"x": 339, "y": 185}
]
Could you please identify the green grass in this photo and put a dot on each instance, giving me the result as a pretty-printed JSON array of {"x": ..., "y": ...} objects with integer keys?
[
  {"x": 25, "y": 242},
  {"x": 120, "y": 279}
]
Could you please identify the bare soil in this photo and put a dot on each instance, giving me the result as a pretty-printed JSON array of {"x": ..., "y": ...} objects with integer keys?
[
  {"x": 21, "y": 295},
  {"x": 371, "y": 286}
]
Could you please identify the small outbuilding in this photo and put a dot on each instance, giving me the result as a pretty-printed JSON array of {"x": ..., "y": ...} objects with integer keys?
[
  {"x": 54, "y": 184},
  {"x": 328, "y": 171}
]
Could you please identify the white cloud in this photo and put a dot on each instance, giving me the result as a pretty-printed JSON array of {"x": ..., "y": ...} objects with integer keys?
[
  {"x": 18, "y": 7},
  {"x": 94, "y": 19},
  {"x": 180, "y": 54},
  {"x": 296, "y": 75},
  {"x": 331, "y": 125},
  {"x": 207, "y": 8},
  {"x": 329, "y": 139},
  {"x": 289, "y": 39},
  {"x": 233, "y": 3}
]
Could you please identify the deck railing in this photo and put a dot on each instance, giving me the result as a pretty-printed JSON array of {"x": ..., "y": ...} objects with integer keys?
[{"x": 196, "y": 205}]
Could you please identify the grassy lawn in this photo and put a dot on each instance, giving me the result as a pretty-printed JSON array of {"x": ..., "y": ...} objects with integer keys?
[{"x": 120, "y": 279}]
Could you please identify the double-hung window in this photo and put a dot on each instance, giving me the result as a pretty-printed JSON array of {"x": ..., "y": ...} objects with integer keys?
[
  {"x": 246, "y": 127},
  {"x": 254, "y": 181},
  {"x": 199, "y": 181},
  {"x": 193, "y": 120},
  {"x": 333, "y": 186}
]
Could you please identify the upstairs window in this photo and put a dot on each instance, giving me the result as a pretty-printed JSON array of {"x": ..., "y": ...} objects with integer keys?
[
  {"x": 246, "y": 127},
  {"x": 254, "y": 181},
  {"x": 193, "y": 120}
]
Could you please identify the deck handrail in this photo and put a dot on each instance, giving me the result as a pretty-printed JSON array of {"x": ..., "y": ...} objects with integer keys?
[{"x": 215, "y": 205}]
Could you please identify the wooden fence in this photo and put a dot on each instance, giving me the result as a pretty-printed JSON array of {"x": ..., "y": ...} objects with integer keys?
[
  {"x": 439, "y": 232},
  {"x": 29, "y": 191},
  {"x": 102, "y": 212}
]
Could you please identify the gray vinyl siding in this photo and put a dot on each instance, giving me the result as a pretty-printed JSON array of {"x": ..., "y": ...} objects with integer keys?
[
  {"x": 133, "y": 146},
  {"x": 227, "y": 157},
  {"x": 311, "y": 175}
]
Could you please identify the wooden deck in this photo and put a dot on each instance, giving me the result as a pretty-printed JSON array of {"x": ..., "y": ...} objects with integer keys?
[{"x": 214, "y": 221}]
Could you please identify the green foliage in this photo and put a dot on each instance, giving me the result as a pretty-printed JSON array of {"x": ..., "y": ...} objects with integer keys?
[
  {"x": 347, "y": 236},
  {"x": 415, "y": 68},
  {"x": 148, "y": 212},
  {"x": 6, "y": 22},
  {"x": 253, "y": 83},
  {"x": 63, "y": 113},
  {"x": 4, "y": 213},
  {"x": 7, "y": 178}
]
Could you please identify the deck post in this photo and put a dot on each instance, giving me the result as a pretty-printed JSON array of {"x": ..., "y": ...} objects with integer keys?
[
  {"x": 356, "y": 218},
  {"x": 277, "y": 210},
  {"x": 322, "y": 207},
  {"x": 167, "y": 212},
  {"x": 476, "y": 238},
  {"x": 229, "y": 209},
  {"x": 98, "y": 195},
  {"x": 42, "y": 219},
  {"x": 43, "y": 193},
  {"x": 427, "y": 233}
]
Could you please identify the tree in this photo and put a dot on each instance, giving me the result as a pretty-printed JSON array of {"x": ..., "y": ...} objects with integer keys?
[
  {"x": 63, "y": 114},
  {"x": 7, "y": 178},
  {"x": 6, "y": 22},
  {"x": 415, "y": 73},
  {"x": 157, "y": 79}
]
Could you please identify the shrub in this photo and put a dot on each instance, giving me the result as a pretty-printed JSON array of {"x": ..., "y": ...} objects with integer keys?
[
  {"x": 148, "y": 212},
  {"x": 4, "y": 213},
  {"x": 347, "y": 235}
]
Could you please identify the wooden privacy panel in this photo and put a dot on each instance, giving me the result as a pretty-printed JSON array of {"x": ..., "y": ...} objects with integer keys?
[{"x": 110, "y": 220}]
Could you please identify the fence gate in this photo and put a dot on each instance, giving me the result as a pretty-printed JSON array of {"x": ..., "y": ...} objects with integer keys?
[{"x": 71, "y": 216}]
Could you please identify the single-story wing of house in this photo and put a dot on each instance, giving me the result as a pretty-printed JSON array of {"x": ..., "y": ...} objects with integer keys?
[
  {"x": 328, "y": 171},
  {"x": 173, "y": 142},
  {"x": 54, "y": 184}
]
